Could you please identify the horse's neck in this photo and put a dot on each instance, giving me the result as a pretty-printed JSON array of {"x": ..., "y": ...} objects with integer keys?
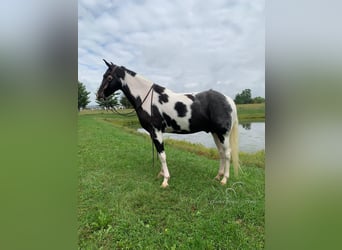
[{"x": 135, "y": 87}]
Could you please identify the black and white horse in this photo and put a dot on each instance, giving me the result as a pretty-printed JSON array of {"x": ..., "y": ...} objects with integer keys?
[{"x": 161, "y": 110}]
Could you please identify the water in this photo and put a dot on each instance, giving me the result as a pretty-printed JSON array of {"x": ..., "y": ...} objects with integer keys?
[{"x": 251, "y": 137}]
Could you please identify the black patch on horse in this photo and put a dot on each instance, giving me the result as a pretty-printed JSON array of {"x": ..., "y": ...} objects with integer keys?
[
  {"x": 191, "y": 97},
  {"x": 171, "y": 122},
  {"x": 163, "y": 98},
  {"x": 221, "y": 138},
  {"x": 181, "y": 109},
  {"x": 150, "y": 124},
  {"x": 132, "y": 73},
  {"x": 157, "y": 119},
  {"x": 211, "y": 112},
  {"x": 159, "y": 146},
  {"x": 120, "y": 72},
  {"x": 136, "y": 102}
]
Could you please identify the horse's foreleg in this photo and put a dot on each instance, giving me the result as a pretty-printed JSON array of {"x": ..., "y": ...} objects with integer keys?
[
  {"x": 165, "y": 171},
  {"x": 158, "y": 142}
]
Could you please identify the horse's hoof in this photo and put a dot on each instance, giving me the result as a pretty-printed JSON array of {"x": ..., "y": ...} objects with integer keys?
[
  {"x": 223, "y": 182},
  {"x": 217, "y": 177},
  {"x": 164, "y": 185}
]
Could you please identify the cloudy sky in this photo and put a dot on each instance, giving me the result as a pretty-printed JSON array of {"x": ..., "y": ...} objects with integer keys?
[{"x": 184, "y": 45}]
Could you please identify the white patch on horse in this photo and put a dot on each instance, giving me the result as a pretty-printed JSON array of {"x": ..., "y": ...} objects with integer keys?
[
  {"x": 159, "y": 136},
  {"x": 169, "y": 109},
  {"x": 139, "y": 87}
]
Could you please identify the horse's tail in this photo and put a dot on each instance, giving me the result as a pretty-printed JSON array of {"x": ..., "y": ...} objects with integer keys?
[{"x": 234, "y": 144}]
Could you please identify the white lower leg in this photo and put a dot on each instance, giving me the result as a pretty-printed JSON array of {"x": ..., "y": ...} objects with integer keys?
[
  {"x": 226, "y": 169},
  {"x": 161, "y": 173},
  {"x": 226, "y": 173},
  {"x": 165, "y": 171},
  {"x": 222, "y": 156},
  {"x": 221, "y": 170}
]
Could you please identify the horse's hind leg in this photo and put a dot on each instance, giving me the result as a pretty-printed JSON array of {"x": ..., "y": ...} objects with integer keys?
[
  {"x": 227, "y": 150},
  {"x": 221, "y": 153},
  {"x": 222, "y": 143}
]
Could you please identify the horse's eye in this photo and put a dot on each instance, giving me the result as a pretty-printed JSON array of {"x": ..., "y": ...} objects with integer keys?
[{"x": 110, "y": 78}]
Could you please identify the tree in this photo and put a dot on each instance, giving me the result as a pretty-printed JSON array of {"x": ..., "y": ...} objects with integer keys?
[
  {"x": 83, "y": 98},
  {"x": 258, "y": 99},
  {"x": 109, "y": 102},
  {"x": 244, "y": 98},
  {"x": 124, "y": 102}
]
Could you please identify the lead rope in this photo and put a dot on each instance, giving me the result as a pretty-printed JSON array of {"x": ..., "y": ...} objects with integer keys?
[{"x": 131, "y": 113}]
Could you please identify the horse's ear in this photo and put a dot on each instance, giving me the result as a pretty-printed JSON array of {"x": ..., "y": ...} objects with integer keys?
[{"x": 107, "y": 63}]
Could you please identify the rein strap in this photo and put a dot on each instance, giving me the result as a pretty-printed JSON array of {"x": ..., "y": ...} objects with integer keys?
[
  {"x": 134, "y": 110},
  {"x": 130, "y": 114}
]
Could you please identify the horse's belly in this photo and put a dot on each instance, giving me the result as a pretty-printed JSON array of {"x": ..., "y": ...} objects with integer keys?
[{"x": 178, "y": 126}]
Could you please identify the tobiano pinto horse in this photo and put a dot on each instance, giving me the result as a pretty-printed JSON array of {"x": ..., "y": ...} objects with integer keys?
[{"x": 160, "y": 110}]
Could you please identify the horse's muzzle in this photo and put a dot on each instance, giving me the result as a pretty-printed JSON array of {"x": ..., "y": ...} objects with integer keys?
[{"x": 100, "y": 97}]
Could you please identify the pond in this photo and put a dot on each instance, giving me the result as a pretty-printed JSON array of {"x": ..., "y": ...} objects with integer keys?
[{"x": 251, "y": 137}]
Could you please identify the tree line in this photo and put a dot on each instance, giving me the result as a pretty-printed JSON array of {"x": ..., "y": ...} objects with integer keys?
[
  {"x": 110, "y": 102},
  {"x": 245, "y": 97}
]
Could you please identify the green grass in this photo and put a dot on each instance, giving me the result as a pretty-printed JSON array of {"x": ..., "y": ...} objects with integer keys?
[
  {"x": 251, "y": 112},
  {"x": 121, "y": 204}
]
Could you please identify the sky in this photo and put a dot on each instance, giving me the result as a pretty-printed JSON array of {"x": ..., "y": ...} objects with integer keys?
[{"x": 183, "y": 45}]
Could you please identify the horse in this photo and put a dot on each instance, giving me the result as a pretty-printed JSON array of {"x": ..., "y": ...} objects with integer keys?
[{"x": 161, "y": 110}]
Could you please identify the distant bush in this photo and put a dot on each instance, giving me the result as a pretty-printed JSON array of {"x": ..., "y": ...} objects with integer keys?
[
  {"x": 258, "y": 99},
  {"x": 245, "y": 97}
]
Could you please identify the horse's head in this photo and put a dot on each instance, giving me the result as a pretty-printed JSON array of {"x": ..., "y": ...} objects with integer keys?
[{"x": 111, "y": 81}]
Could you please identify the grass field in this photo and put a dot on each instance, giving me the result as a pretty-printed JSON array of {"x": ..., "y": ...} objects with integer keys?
[
  {"x": 121, "y": 204},
  {"x": 251, "y": 112}
]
